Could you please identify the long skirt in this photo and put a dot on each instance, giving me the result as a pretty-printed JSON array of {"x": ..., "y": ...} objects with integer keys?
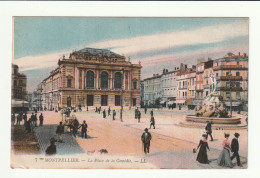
[{"x": 224, "y": 159}]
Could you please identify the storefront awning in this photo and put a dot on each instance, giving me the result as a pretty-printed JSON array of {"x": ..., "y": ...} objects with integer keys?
[
  {"x": 180, "y": 101},
  {"x": 19, "y": 103},
  {"x": 170, "y": 102},
  {"x": 233, "y": 103}
]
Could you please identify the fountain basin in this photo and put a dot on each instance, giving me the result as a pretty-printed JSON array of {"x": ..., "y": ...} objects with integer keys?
[{"x": 214, "y": 120}]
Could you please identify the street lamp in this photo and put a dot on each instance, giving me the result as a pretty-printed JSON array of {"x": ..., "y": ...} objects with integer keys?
[{"x": 230, "y": 83}]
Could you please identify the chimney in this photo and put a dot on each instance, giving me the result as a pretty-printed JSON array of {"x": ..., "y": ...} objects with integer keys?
[
  {"x": 238, "y": 53},
  {"x": 174, "y": 68},
  {"x": 244, "y": 54}
]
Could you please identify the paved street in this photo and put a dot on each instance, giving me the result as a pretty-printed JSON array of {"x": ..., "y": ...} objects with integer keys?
[{"x": 171, "y": 145}]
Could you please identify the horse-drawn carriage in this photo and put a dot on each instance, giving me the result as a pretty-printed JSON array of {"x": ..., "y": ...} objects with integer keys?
[{"x": 71, "y": 125}]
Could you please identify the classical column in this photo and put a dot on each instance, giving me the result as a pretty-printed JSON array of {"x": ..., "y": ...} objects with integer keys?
[
  {"x": 110, "y": 80},
  {"x": 97, "y": 77}
]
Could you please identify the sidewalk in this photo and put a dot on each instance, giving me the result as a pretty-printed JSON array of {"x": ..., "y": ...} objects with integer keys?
[{"x": 46, "y": 132}]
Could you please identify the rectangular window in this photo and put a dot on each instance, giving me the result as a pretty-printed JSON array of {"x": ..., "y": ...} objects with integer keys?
[
  {"x": 117, "y": 100},
  {"x": 20, "y": 82},
  {"x": 228, "y": 95},
  {"x": 69, "y": 83},
  {"x": 238, "y": 97}
]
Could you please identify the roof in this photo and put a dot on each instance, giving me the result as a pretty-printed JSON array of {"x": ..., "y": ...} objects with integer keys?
[
  {"x": 95, "y": 51},
  {"x": 232, "y": 58}
]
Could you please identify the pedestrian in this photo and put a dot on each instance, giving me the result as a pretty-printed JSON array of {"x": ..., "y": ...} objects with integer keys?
[
  {"x": 104, "y": 114},
  {"x": 145, "y": 109},
  {"x": 84, "y": 127},
  {"x": 18, "y": 119},
  {"x": 136, "y": 113},
  {"x": 60, "y": 131},
  {"x": 32, "y": 119},
  {"x": 51, "y": 150},
  {"x": 87, "y": 108},
  {"x": 179, "y": 107},
  {"x": 235, "y": 149},
  {"x": 146, "y": 138},
  {"x": 152, "y": 122},
  {"x": 109, "y": 111},
  {"x": 202, "y": 155},
  {"x": 28, "y": 126},
  {"x": 139, "y": 116},
  {"x": 114, "y": 114},
  {"x": 209, "y": 130},
  {"x": 96, "y": 110},
  {"x": 121, "y": 115},
  {"x": 151, "y": 112},
  {"x": 224, "y": 157},
  {"x": 13, "y": 119},
  {"x": 24, "y": 118},
  {"x": 75, "y": 126},
  {"x": 99, "y": 109},
  {"x": 41, "y": 119},
  {"x": 35, "y": 120}
]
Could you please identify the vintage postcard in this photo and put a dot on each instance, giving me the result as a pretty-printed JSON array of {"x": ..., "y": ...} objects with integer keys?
[{"x": 129, "y": 93}]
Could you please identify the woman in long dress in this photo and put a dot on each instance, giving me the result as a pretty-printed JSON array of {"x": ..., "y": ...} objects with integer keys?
[
  {"x": 202, "y": 155},
  {"x": 224, "y": 158}
]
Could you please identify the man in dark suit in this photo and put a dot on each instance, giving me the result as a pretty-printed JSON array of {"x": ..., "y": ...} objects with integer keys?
[
  {"x": 235, "y": 149},
  {"x": 84, "y": 127},
  {"x": 152, "y": 122},
  {"x": 146, "y": 138},
  {"x": 209, "y": 130}
]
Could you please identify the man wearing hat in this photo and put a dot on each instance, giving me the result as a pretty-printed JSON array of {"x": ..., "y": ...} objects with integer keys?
[
  {"x": 209, "y": 130},
  {"x": 235, "y": 149},
  {"x": 60, "y": 131},
  {"x": 84, "y": 127},
  {"x": 146, "y": 138},
  {"x": 51, "y": 150}
]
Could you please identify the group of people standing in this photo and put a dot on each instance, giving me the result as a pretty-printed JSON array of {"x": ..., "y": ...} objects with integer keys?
[
  {"x": 224, "y": 159},
  {"x": 27, "y": 123}
]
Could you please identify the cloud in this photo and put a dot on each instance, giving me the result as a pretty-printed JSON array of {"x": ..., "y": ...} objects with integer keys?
[
  {"x": 149, "y": 43},
  {"x": 204, "y": 35}
]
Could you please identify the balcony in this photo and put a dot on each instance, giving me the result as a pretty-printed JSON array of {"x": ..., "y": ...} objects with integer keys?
[
  {"x": 230, "y": 67},
  {"x": 229, "y": 88},
  {"x": 227, "y": 78}
]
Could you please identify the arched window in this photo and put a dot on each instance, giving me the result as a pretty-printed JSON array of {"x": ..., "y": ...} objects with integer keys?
[
  {"x": 118, "y": 80},
  {"x": 90, "y": 79},
  {"x": 104, "y": 80}
]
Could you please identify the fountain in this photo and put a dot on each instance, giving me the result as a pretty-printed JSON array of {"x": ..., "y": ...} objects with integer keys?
[{"x": 212, "y": 110}]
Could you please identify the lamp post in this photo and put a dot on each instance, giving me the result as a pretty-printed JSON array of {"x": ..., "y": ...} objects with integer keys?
[{"x": 230, "y": 83}]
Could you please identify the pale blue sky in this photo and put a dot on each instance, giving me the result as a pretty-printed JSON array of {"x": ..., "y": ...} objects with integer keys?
[{"x": 40, "y": 41}]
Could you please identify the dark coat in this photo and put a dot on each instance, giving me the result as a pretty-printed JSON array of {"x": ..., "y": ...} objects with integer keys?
[
  {"x": 60, "y": 129},
  {"x": 234, "y": 145},
  {"x": 202, "y": 155},
  {"x": 83, "y": 127},
  {"x": 208, "y": 128},
  {"x": 51, "y": 150},
  {"x": 147, "y": 139},
  {"x": 152, "y": 121},
  {"x": 41, "y": 117}
]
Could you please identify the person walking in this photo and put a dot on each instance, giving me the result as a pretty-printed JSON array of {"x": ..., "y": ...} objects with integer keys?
[
  {"x": 104, "y": 114},
  {"x": 84, "y": 127},
  {"x": 152, "y": 122},
  {"x": 224, "y": 157},
  {"x": 13, "y": 119},
  {"x": 235, "y": 149},
  {"x": 121, "y": 115},
  {"x": 136, "y": 113},
  {"x": 202, "y": 155},
  {"x": 35, "y": 120},
  {"x": 146, "y": 138},
  {"x": 60, "y": 131},
  {"x": 145, "y": 109},
  {"x": 51, "y": 150},
  {"x": 87, "y": 108},
  {"x": 28, "y": 126},
  {"x": 32, "y": 119},
  {"x": 114, "y": 114},
  {"x": 209, "y": 130},
  {"x": 41, "y": 119},
  {"x": 139, "y": 116},
  {"x": 18, "y": 119},
  {"x": 24, "y": 118},
  {"x": 151, "y": 112},
  {"x": 109, "y": 111}
]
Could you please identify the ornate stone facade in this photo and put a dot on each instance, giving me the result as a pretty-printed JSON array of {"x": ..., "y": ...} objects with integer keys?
[
  {"x": 18, "y": 84},
  {"x": 92, "y": 77}
]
